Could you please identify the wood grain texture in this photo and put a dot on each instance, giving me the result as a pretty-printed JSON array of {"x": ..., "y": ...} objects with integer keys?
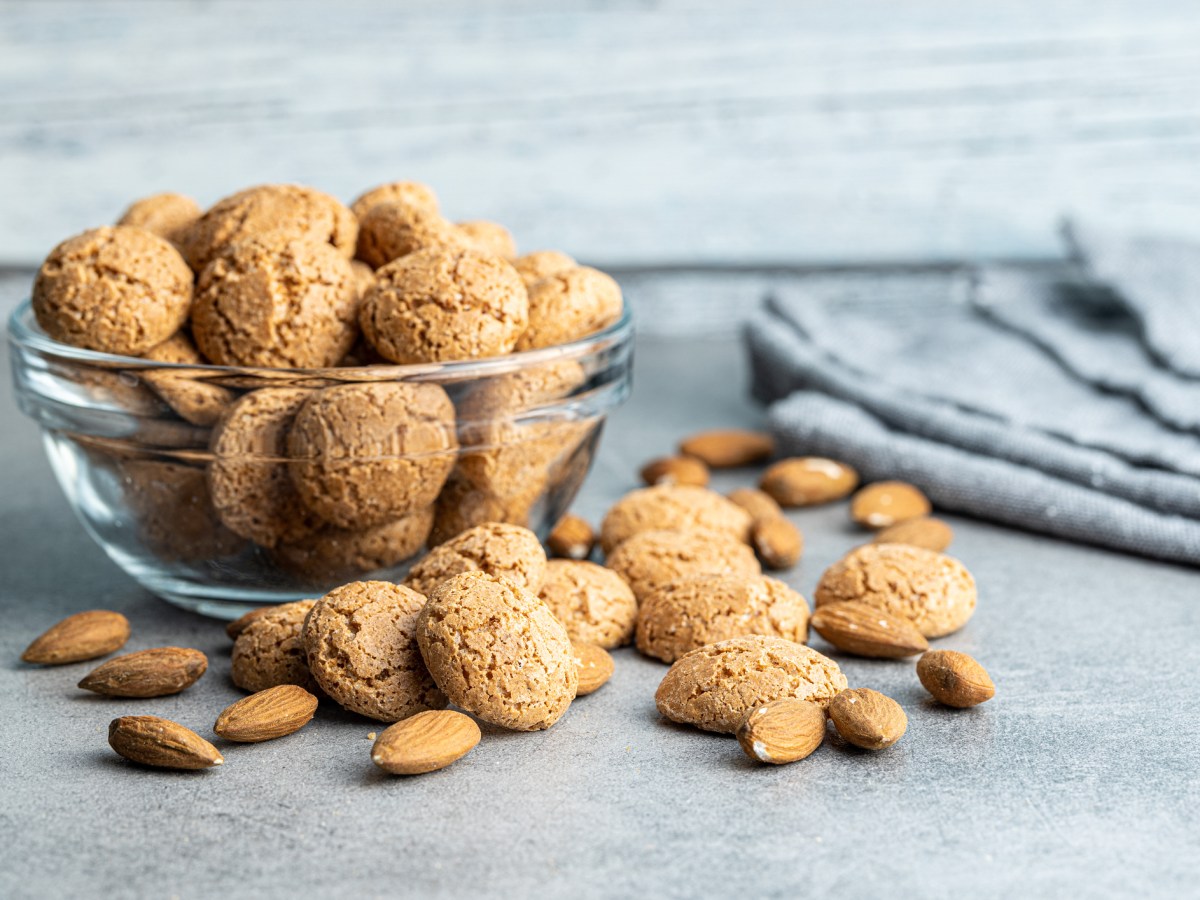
[{"x": 623, "y": 132}]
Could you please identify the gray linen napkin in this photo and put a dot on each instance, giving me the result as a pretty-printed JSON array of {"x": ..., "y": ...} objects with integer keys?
[{"x": 999, "y": 415}]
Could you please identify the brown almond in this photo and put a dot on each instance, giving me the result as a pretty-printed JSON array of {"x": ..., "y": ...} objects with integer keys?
[
  {"x": 729, "y": 448},
  {"x": 152, "y": 741},
  {"x": 85, "y": 635},
  {"x": 955, "y": 679},
  {"x": 237, "y": 626},
  {"x": 595, "y": 666},
  {"x": 572, "y": 538},
  {"x": 808, "y": 481},
  {"x": 866, "y": 630},
  {"x": 926, "y": 533},
  {"x": 782, "y": 731},
  {"x": 758, "y": 503},
  {"x": 675, "y": 470},
  {"x": 888, "y": 502},
  {"x": 777, "y": 542},
  {"x": 867, "y": 718},
  {"x": 269, "y": 714},
  {"x": 426, "y": 742},
  {"x": 147, "y": 673}
]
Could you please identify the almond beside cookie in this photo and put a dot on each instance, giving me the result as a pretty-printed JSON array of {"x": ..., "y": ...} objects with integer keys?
[
  {"x": 955, "y": 679},
  {"x": 83, "y": 636},
  {"x": 866, "y": 630},
  {"x": 269, "y": 714},
  {"x": 867, "y": 718},
  {"x": 425, "y": 742},
  {"x": 782, "y": 731}
]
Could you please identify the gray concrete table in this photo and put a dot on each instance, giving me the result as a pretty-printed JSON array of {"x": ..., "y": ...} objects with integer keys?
[{"x": 1079, "y": 779}]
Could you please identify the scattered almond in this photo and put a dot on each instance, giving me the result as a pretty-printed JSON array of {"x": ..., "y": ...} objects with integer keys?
[
  {"x": 777, "y": 542},
  {"x": 955, "y": 679},
  {"x": 85, "y": 635},
  {"x": 808, "y": 481},
  {"x": 675, "y": 470},
  {"x": 269, "y": 714},
  {"x": 757, "y": 503},
  {"x": 426, "y": 742},
  {"x": 572, "y": 538},
  {"x": 595, "y": 667},
  {"x": 152, "y": 741},
  {"x": 929, "y": 534},
  {"x": 237, "y": 626},
  {"x": 866, "y": 630},
  {"x": 867, "y": 718},
  {"x": 888, "y": 502},
  {"x": 147, "y": 673},
  {"x": 782, "y": 731},
  {"x": 729, "y": 449}
]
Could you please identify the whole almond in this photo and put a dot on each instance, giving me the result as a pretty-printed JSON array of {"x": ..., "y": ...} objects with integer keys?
[
  {"x": 152, "y": 741},
  {"x": 675, "y": 470},
  {"x": 888, "y": 502},
  {"x": 929, "y": 534},
  {"x": 595, "y": 667},
  {"x": 756, "y": 502},
  {"x": 572, "y": 538},
  {"x": 782, "y": 731},
  {"x": 777, "y": 542},
  {"x": 808, "y": 481},
  {"x": 426, "y": 742},
  {"x": 955, "y": 679},
  {"x": 866, "y": 630},
  {"x": 267, "y": 715},
  {"x": 729, "y": 448},
  {"x": 147, "y": 673},
  {"x": 85, "y": 635},
  {"x": 237, "y": 626},
  {"x": 867, "y": 718}
]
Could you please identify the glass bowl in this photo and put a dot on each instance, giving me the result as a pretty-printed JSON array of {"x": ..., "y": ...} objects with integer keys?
[{"x": 193, "y": 480}]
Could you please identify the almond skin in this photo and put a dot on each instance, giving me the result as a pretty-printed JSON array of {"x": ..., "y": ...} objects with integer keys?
[
  {"x": 926, "y": 533},
  {"x": 147, "y": 673},
  {"x": 729, "y": 448},
  {"x": 808, "y": 481},
  {"x": 675, "y": 470},
  {"x": 777, "y": 542},
  {"x": 152, "y": 741},
  {"x": 867, "y": 718},
  {"x": 885, "y": 503},
  {"x": 426, "y": 742},
  {"x": 866, "y": 630},
  {"x": 756, "y": 502},
  {"x": 267, "y": 715},
  {"x": 955, "y": 679},
  {"x": 782, "y": 731},
  {"x": 572, "y": 538},
  {"x": 595, "y": 667},
  {"x": 85, "y": 635}
]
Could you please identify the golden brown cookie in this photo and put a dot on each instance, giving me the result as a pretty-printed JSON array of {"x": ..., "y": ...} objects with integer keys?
[
  {"x": 673, "y": 507},
  {"x": 435, "y": 305},
  {"x": 173, "y": 512},
  {"x": 533, "y": 267},
  {"x": 692, "y": 612},
  {"x": 167, "y": 215},
  {"x": 251, "y": 487},
  {"x": 284, "y": 211},
  {"x": 362, "y": 650},
  {"x": 594, "y": 604},
  {"x": 716, "y": 686},
  {"x": 506, "y": 551},
  {"x": 115, "y": 289},
  {"x": 390, "y": 231},
  {"x": 462, "y": 506},
  {"x": 336, "y": 554},
  {"x": 282, "y": 304},
  {"x": 269, "y": 651},
  {"x": 931, "y": 534},
  {"x": 653, "y": 559},
  {"x": 933, "y": 591},
  {"x": 179, "y": 348},
  {"x": 364, "y": 277},
  {"x": 491, "y": 238},
  {"x": 370, "y": 453},
  {"x": 498, "y": 652},
  {"x": 408, "y": 193},
  {"x": 570, "y": 305}
]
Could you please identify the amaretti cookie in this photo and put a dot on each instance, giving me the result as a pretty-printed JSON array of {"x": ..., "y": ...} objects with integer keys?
[
  {"x": 506, "y": 551},
  {"x": 489, "y": 237},
  {"x": 334, "y": 554},
  {"x": 533, "y": 267},
  {"x": 716, "y": 686},
  {"x": 673, "y": 507},
  {"x": 361, "y": 645},
  {"x": 406, "y": 193},
  {"x": 278, "y": 303},
  {"x": 595, "y": 604},
  {"x": 173, "y": 511},
  {"x": 167, "y": 215},
  {"x": 569, "y": 305},
  {"x": 390, "y": 231},
  {"x": 269, "y": 651},
  {"x": 653, "y": 559},
  {"x": 497, "y": 651},
  {"x": 114, "y": 289},
  {"x": 178, "y": 349},
  {"x": 437, "y": 305},
  {"x": 369, "y": 453},
  {"x": 704, "y": 609},
  {"x": 933, "y": 591}
]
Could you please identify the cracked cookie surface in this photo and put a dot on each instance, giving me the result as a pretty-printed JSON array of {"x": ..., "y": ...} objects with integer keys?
[
  {"x": 653, "y": 559},
  {"x": 495, "y": 548},
  {"x": 570, "y": 304},
  {"x": 673, "y": 507},
  {"x": 269, "y": 651},
  {"x": 595, "y": 604},
  {"x": 333, "y": 553},
  {"x": 167, "y": 215}
]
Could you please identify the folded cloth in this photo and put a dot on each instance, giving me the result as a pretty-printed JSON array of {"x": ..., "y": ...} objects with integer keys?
[{"x": 1035, "y": 398}]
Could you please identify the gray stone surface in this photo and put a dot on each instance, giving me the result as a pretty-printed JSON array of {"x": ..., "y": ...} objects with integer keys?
[{"x": 1079, "y": 779}]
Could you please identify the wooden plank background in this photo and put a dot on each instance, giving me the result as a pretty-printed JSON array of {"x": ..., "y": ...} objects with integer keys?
[{"x": 628, "y": 133}]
